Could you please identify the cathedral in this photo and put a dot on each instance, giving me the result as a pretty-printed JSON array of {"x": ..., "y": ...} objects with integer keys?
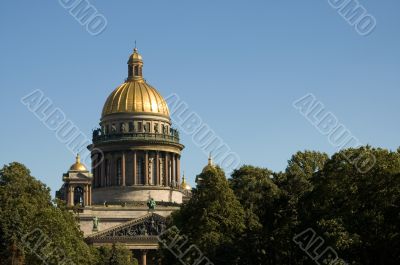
[{"x": 135, "y": 181}]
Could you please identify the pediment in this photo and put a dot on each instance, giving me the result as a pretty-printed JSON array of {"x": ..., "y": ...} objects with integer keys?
[{"x": 145, "y": 228}]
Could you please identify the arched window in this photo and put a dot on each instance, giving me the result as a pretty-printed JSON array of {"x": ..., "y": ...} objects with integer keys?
[
  {"x": 78, "y": 196},
  {"x": 130, "y": 70}
]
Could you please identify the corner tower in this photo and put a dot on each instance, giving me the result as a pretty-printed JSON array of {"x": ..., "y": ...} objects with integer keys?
[{"x": 141, "y": 150}]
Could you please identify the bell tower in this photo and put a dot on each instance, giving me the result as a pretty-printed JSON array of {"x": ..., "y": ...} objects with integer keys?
[{"x": 77, "y": 188}]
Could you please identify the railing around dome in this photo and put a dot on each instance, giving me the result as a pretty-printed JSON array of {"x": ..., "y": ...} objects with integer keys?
[{"x": 136, "y": 137}]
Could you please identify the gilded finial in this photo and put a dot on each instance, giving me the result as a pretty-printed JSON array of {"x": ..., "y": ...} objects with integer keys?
[
  {"x": 78, "y": 166},
  {"x": 184, "y": 185}
]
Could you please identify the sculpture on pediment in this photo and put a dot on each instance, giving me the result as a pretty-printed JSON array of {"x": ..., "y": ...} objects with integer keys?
[
  {"x": 151, "y": 204},
  {"x": 152, "y": 226},
  {"x": 95, "y": 223}
]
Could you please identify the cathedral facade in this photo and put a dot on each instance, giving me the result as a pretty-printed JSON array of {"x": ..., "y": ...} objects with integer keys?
[{"x": 135, "y": 180}]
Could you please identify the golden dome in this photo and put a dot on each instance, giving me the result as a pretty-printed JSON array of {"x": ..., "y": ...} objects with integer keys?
[
  {"x": 135, "y": 56},
  {"x": 135, "y": 95},
  {"x": 184, "y": 185},
  {"x": 78, "y": 166}
]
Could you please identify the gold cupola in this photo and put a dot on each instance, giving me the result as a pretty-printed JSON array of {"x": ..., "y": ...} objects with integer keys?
[
  {"x": 136, "y": 95},
  {"x": 135, "y": 66},
  {"x": 185, "y": 185},
  {"x": 78, "y": 166}
]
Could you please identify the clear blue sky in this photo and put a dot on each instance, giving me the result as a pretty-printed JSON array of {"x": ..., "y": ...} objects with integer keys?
[{"x": 238, "y": 64}]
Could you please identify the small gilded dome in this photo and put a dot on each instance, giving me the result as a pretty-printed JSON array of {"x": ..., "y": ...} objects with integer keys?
[
  {"x": 135, "y": 56},
  {"x": 78, "y": 166},
  {"x": 184, "y": 185}
]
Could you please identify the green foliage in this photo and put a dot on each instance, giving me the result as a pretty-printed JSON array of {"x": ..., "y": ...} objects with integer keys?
[
  {"x": 258, "y": 195},
  {"x": 250, "y": 219},
  {"x": 358, "y": 212},
  {"x": 271, "y": 202},
  {"x": 27, "y": 214},
  {"x": 115, "y": 255},
  {"x": 294, "y": 183},
  {"x": 351, "y": 200},
  {"x": 213, "y": 219}
]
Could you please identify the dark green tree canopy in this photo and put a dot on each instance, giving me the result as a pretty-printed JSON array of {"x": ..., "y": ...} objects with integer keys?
[
  {"x": 358, "y": 212},
  {"x": 351, "y": 200},
  {"x": 213, "y": 218},
  {"x": 28, "y": 214},
  {"x": 114, "y": 255}
]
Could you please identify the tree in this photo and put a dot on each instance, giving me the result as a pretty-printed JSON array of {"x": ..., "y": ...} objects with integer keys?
[
  {"x": 294, "y": 183},
  {"x": 357, "y": 210},
  {"x": 258, "y": 196},
  {"x": 33, "y": 228},
  {"x": 213, "y": 219},
  {"x": 114, "y": 255}
]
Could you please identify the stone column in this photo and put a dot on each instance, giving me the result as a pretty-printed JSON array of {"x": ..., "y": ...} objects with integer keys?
[
  {"x": 96, "y": 177},
  {"x": 157, "y": 169},
  {"x": 107, "y": 171},
  {"x": 103, "y": 173},
  {"x": 68, "y": 195},
  {"x": 151, "y": 171},
  {"x": 134, "y": 168},
  {"x": 173, "y": 170},
  {"x": 170, "y": 169},
  {"x": 146, "y": 168},
  {"x": 112, "y": 171},
  {"x": 178, "y": 170},
  {"x": 144, "y": 257},
  {"x": 162, "y": 171},
  {"x": 90, "y": 195},
  {"x": 123, "y": 169},
  {"x": 85, "y": 195},
  {"x": 71, "y": 195},
  {"x": 94, "y": 172},
  {"x": 166, "y": 169}
]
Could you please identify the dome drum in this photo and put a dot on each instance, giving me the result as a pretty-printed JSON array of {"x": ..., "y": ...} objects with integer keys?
[
  {"x": 114, "y": 195},
  {"x": 150, "y": 169}
]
